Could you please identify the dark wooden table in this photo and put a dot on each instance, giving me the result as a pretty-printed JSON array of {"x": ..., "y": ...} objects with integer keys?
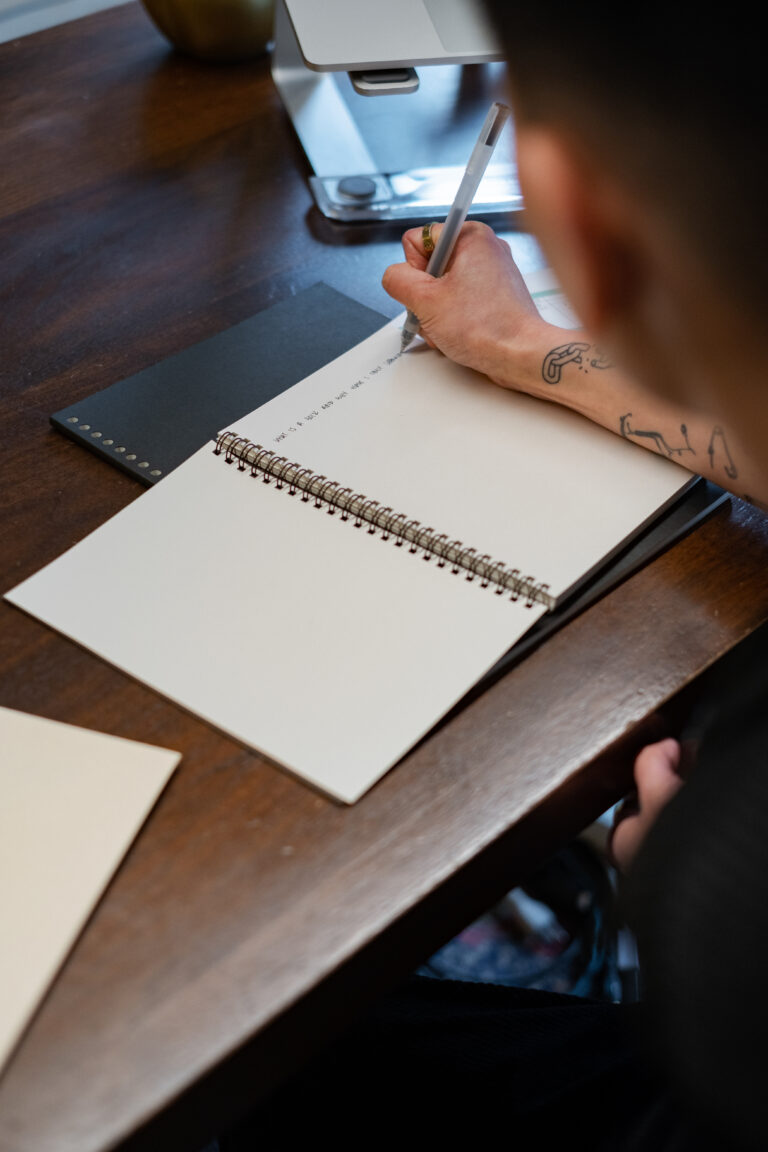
[{"x": 147, "y": 201}]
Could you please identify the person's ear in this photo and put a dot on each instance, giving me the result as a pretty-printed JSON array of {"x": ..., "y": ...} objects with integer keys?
[{"x": 584, "y": 223}]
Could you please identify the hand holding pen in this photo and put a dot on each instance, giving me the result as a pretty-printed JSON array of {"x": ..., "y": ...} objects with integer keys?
[{"x": 478, "y": 162}]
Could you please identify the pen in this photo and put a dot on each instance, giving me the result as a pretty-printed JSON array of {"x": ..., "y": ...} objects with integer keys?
[{"x": 478, "y": 162}]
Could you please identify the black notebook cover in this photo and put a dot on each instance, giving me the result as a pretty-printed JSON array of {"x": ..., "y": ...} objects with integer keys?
[{"x": 149, "y": 423}]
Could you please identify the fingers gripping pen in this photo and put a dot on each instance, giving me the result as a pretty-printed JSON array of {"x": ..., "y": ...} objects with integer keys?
[{"x": 478, "y": 162}]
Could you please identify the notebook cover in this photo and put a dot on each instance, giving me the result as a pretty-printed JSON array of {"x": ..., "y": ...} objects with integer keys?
[
  {"x": 698, "y": 503},
  {"x": 149, "y": 423}
]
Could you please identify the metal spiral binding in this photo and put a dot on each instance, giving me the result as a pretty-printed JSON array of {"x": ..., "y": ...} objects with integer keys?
[{"x": 362, "y": 509}]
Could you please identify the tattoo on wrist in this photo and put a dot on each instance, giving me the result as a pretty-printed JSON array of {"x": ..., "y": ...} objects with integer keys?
[
  {"x": 663, "y": 447},
  {"x": 600, "y": 359},
  {"x": 575, "y": 353},
  {"x": 718, "y": 448}
]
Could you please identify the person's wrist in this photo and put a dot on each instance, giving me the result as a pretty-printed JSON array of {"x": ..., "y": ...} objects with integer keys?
[{"x": 515, "y": 360}]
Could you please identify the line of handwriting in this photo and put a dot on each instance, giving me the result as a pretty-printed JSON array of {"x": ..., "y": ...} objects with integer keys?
[{"x": 315, "y": 413}]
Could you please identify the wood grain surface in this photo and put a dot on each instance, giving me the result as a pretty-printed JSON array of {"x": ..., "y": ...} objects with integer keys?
[{"x": 148, "y": 201}]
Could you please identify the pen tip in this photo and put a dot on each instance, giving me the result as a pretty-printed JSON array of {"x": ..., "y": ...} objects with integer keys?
[{"x": 405, "y": 339}]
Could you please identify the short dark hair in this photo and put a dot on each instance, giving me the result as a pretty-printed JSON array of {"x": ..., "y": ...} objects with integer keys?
[{"x": 677, "y": 99}]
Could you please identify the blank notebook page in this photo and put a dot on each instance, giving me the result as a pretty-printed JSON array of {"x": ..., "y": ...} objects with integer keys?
[{"x": 326, "y": 647}]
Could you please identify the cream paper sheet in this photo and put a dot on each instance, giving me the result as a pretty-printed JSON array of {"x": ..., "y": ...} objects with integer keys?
[{"x": 71, "y": 802}]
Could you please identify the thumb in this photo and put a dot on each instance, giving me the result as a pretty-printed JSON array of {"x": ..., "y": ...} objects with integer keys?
[
  {"x": 656, "y": 776},
  {"x": 403, "y": 283}
]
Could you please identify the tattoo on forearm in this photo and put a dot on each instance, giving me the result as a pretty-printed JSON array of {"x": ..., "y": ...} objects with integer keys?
[
  {"x": 717, "y": 449},
  {"x": 718, "y": 446},
  {"x": 600, "y": 359},
  {"x": 663, "y": 447},
  {"x": 574, "y": 353}
]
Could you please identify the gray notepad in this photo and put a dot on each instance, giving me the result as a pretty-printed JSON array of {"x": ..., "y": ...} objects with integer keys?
[{"x": 149, "y": 423}]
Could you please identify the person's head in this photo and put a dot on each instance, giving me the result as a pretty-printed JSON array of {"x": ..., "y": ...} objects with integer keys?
[{"x": 641, "y": 158}]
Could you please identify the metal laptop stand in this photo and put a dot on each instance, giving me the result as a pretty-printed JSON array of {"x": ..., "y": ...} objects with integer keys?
[{"x": 347, "y": 184}]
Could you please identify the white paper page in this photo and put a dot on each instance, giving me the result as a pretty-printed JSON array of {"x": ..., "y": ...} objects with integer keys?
[
  {"x": 71, "y": 802},
  {"x": 531, "y": 484},
  {"x": 327, "y": 648}
]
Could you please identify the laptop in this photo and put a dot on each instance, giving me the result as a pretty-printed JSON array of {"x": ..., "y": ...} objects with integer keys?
[{"x": 352, "y": 35}]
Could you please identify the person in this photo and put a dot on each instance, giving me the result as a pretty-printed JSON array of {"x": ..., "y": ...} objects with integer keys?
[
  {"x": 481, "y": 314},
  {"x": 636, "y": 158},
  {"x": 639, "y": 159}
]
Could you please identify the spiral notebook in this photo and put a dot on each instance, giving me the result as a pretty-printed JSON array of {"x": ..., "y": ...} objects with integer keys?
[{"x": 334, "y": 572}]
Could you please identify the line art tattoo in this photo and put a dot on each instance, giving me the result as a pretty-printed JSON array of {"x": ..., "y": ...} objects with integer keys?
[
  {"x": 718, "y": 438},
  {"x": 600, "y": 360},
  {"x": 663, "y": 447},
  {"x": 574, "y": 353}
]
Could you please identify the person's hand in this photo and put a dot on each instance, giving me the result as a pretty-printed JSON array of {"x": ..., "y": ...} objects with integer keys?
[
  {"x": 657, "y": 780},
  {"x": 479, "y": 312}
]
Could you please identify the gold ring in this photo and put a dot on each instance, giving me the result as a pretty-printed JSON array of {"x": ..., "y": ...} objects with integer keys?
[{"x": 426, "y": 237}]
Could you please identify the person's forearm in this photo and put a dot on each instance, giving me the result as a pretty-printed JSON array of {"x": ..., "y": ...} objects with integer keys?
[
  {"x": 481, "y": 314},
  {"x": 567, "y": 368}
]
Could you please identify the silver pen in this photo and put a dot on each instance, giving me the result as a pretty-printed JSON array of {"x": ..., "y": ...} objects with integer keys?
[{"x": 478, "y": 162}]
